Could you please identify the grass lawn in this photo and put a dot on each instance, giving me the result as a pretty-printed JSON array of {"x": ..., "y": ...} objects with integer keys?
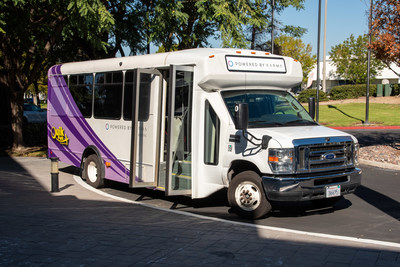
[{"x": 353, "y": 114}]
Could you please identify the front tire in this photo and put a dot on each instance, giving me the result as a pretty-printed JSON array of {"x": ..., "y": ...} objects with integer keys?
[
  {"x": 93, "y": 171},
  {"x": 246, "y": 196}
]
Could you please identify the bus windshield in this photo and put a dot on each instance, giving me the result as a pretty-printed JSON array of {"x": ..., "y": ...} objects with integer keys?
[{"x": 269, "y": 108}]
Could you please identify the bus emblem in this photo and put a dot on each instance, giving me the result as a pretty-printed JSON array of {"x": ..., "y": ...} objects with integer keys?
[{"x": 59, "y": 135}]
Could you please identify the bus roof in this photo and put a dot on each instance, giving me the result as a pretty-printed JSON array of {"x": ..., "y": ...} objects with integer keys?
[{"x": 216, "y": 68}]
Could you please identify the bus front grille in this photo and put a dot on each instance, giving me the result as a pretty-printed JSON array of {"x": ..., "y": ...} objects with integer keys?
[{"x": 327, "y": 156}]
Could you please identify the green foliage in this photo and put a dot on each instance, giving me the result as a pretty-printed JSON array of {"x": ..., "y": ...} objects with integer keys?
[
  {"x": 306, "y": 94},
  {"x": 295, "y": 48},
  {"x": 350, "y": 60},
  {"x": 351, "y": 91},
  {"x": 259, "y": 25},
  {"x": 34, "y": 35},
  {"x": 395, "y": 89}
]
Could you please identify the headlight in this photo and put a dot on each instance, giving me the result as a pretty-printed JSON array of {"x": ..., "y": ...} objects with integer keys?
[
  {"x": 356, "y": 153},
  {"x": 351, "y": 153},
  {"x": 281, "y": 160}
]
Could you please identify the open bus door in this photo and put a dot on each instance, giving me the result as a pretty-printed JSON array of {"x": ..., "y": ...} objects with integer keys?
[
  {"x": 145, "y": 142},
  {"x": 179, "y": 131}
]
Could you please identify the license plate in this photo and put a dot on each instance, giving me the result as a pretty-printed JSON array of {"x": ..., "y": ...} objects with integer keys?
[{"x": 332, "y": 191}]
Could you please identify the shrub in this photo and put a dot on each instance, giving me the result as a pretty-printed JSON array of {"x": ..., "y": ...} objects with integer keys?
[
  {"x": 351, "y": 91},
  {"x": 306, "y": 94},
  {"x": 395, "y": 89},
  {"x": 35, "y": 134}
]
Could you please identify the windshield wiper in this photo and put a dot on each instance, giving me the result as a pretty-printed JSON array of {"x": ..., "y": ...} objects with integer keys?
[
  {"x": 305, "y": 122},
  {"x": 266, "y": 123}
]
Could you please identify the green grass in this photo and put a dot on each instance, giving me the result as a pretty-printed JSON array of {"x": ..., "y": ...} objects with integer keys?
[{"x": 353, "y": 114}]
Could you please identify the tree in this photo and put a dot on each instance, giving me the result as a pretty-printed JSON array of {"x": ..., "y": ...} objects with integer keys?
[
  {"x": 29, "y": 33},
  {"x": 295, "y": 48},
  {"x": 386, "y": 31},
  {"x": 260, "y": 22},
  {"x": 189, "y": 24},
  {"x": 350, "y": 59}
]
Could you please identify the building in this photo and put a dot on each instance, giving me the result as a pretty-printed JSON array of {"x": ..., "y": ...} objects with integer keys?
[{"x": 386, "y": 76}]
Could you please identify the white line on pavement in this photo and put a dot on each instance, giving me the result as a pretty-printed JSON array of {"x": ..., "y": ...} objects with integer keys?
[{"x": 336, "y": 237}]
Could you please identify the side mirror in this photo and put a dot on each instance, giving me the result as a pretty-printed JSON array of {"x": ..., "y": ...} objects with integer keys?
[
  {"x": 241, "y": 116},
  {"x": 264, "y": 141},
  {"x": 311, "y": 107}
]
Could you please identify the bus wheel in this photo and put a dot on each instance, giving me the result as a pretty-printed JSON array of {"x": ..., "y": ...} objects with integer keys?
[
  {"x": 92, "y": 171},
  {"x": 246, "y": 196}
]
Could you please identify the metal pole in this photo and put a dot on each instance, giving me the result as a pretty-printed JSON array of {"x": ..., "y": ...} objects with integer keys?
[
  {"x": 318, "y": 78},
  {"x": 54, "y": 175},
  {"x": 368, "y": 67},
  {"x": 272, "y": 27},
  {"x": 324, "y": 59}
]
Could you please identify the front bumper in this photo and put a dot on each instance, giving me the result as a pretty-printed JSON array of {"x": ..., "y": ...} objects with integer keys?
[{"x": 310, "y": 187}]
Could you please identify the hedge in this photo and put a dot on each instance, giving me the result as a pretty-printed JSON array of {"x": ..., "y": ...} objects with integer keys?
[
  {"x": 306, "y": 94},
  {"x": 351, "y": 91}
]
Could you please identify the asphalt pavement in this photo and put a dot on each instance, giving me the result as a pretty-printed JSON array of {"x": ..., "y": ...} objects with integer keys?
[{"x": 81, "y": 227}]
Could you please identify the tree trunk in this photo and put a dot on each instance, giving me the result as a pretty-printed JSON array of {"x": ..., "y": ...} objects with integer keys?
[
  {"x": 16, "y": 103},
  {"x": 253, "y": 37},
  {"x": 36, "y": 97}
]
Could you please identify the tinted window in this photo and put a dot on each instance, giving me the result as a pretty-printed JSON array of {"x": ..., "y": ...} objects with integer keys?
[
  {"x": 268, "y": 108},
  {"x": 211, "y": 135},
  {"x": 81, "y": 88},
  {"x": 144, "y": 95},
  {"x": 108, "y": 95}
]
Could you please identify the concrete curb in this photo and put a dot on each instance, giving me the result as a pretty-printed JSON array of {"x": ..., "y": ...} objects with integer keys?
[
  {"x": 380, "y": 164},
  {"x": 285, "y": 231},
  {"x": 366, "y": 127}
]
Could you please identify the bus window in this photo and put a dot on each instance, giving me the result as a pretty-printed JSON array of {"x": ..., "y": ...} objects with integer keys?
[
  {"x": 108, "y": 95},
  {"x": 81, "y": 88},
  {"x": 144, "y": 95},
  {"x": 130, "y": 81},
  {"x": 211, "y": 135}
]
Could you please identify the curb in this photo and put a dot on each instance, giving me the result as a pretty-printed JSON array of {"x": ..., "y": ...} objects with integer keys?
[
  {"x": 339, "y": 238},
  {"x": 366, "y": 128},
  {"x": 380, "y": 164}
]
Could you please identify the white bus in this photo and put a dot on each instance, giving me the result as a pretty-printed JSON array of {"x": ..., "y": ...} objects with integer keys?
[{"x": 197, "y": 121}]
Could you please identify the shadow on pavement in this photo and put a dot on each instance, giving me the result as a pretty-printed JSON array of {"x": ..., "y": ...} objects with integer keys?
[
  {"x": 384, "y": 203},
  {"x": 376, "y": 137},
  {"x": 39, "y": 228},
  {"x": 207, "y": 206}
]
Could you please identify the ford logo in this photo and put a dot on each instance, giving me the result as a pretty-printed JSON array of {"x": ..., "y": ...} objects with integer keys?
[{"x": 328, "y": 156}]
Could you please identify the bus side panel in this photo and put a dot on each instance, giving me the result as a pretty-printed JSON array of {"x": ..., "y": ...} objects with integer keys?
[{"x": 69, "y": 134}]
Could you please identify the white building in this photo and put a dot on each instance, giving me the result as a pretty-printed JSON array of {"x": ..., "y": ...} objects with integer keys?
[{"x": 386, "y": 76}]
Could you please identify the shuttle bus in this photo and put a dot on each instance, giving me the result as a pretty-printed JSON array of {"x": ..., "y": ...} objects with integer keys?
[{"x": 194, "y": 122}]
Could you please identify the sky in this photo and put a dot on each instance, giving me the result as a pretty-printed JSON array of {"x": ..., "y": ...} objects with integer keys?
[{"x": 344, "y": 17}]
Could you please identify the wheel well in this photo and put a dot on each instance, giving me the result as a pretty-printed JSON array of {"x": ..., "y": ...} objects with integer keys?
[
  {"x": 239, "y": 166},
  {"x": 90, "y": 150}
]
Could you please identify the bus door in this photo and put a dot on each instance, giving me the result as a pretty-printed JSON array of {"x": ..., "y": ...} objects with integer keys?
[
  {"x": 145, "y": 140},
  {"x": 178, "y": 136}
]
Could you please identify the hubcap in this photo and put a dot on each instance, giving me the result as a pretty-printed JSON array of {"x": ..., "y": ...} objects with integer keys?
[
  {"x": 248, "y": 196},
  {"x": 92, "y": 172}
]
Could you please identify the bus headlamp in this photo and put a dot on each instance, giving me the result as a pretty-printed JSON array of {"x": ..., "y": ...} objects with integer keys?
[
  {"x": 281, "y": 160},
  {"x": 356, "y": 153}
]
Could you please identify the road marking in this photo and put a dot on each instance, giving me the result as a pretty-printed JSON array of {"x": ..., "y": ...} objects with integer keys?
[{"x": 285, "y": 230}]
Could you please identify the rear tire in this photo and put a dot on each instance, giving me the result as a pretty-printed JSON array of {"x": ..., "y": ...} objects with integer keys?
[
  {"x": 93, "y": 172},
  {"x": 246, "y": 196}
]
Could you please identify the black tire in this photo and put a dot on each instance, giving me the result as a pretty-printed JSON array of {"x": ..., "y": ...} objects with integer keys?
[
  {"x": 92, "y": 171},
  {"x": 246, "y": 196}
]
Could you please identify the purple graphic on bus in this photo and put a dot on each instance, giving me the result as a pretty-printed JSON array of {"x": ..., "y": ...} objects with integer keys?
[{"x": 68, "y": 132}]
